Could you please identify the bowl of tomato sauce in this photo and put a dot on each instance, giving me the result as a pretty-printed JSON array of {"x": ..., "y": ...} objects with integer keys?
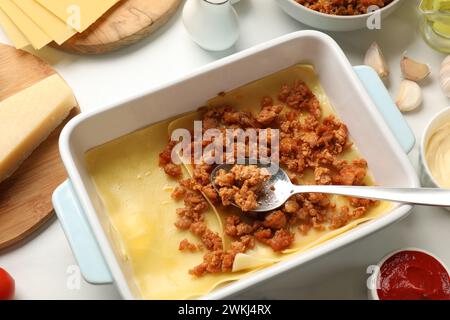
[{"x": 411, "y": 274}]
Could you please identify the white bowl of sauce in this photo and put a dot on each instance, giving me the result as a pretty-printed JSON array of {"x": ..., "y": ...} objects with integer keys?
[
  {"x": 411, "y": 274},
  {"x": 435, "y": 152}
]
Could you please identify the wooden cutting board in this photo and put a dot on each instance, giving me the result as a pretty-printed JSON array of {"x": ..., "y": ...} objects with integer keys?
[
  {"x": 127, "y": 22},
  {"x": 25, "y": 198}
]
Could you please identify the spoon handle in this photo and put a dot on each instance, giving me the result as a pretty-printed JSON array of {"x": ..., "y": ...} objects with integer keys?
[{"x": 420, "y": 196}]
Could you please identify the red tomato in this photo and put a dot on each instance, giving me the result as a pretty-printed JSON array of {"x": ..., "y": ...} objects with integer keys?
[{"x": 7, "y": 285}]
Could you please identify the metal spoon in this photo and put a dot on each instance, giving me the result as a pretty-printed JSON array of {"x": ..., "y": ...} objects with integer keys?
[{"x": 279, "y": 189}]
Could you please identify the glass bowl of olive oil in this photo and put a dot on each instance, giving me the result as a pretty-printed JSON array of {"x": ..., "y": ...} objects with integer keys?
[{"x": 435, "y": 23}]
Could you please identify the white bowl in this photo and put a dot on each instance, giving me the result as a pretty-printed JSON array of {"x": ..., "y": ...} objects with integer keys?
[
  {"x": 330, "y": 22},
  {"x": 373, "y": 290},
  {"x": 426, "y": 177},
  {"x": 80, "y": 209}
]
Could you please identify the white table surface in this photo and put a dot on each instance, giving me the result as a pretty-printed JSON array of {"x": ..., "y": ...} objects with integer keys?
[{"x": 40, "y": 266}]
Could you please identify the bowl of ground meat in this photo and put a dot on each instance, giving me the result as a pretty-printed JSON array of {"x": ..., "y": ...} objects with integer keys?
[{"x": 339, "y": 15}]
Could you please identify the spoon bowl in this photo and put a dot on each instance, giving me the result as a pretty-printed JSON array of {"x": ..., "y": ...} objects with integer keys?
[{"x": 274, "y": 190}]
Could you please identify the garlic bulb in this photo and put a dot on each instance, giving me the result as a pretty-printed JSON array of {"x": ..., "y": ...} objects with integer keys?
[
  {"x": 409, "y": 96},
  {"x": 414, "y": 70},
  {"x": 445, "y": 76},
  {"x": 374, "y": 58}
]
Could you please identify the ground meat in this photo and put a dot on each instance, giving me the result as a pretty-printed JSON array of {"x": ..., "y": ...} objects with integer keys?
[
  {"x": 212, "y": 240},
  {"x": 241, "y": 185},
  {"x": 191, "y": 217},
  {"x": 245, "y": 243},
  {"x": 195, "y": 201},
  {"x": 356, "y": 202},
  {"x": 310, "y": 145},
  {"x": 300, "y": 97},
  {"x": 178, "y": 193},
  {"x": 282, "y": 240},
  {"x": 235, "y": 228},
  {"x": 322, "y": 176},
  {"x": 185, "y": 245},
  {"x": 279, "y": 240},
  {"x": 210, "y": 193},
  {"x": 352, "y": 174},
  {"x": 227, "y": 195},
  {"x": 269, "y": 114},
  {"x": 343, "y": 7},
  {"x": 165, "y": 161},
  {"x": 202, "y": 174},
  {"x": 183, "y": 223},
  {"x": 270, "y": 231},
  {"x": 275, "y": 220},
  {"x": 219, "y": 261},
  {"x": 224, "y": 179},
  {"x": 266, "y": 101},
  {"x": 341, "y": 218},
  {"x": 291, "y": 206},
  {"x": 173, "y": 170},
  {"x": 243, "y": 119},
  {"x": 165, "y": 156},
  {"x": 333, "y": 135},
  {"x": 246, "y": 199}
]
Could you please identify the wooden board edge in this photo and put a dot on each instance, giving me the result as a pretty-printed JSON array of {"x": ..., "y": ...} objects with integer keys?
[{"x": 123, "y": 43}]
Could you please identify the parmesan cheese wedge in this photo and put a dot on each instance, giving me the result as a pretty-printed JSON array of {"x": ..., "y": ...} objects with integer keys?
[{"x": 27, "y": 119}]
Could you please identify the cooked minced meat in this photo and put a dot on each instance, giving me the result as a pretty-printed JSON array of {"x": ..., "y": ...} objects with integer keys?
[
  {"x": 241, "y": 185},
  {"x": 343, "y": 7},
  {"x": 309, "y": 143}
]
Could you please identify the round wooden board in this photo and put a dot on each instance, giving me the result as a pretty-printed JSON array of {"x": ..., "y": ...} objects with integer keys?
[
  {"x": 127, "y": 22},
  {"x": 25, "y": 197}
]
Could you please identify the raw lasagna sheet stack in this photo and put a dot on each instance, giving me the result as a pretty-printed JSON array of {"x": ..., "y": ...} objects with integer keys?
[{"x": 39, "y": 22}]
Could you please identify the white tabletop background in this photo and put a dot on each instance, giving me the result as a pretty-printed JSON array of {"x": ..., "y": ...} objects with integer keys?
[{"x": 41, "y": 265}]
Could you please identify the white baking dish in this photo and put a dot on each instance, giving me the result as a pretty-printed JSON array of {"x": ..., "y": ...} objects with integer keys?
[{"x": 384, "y": 143}]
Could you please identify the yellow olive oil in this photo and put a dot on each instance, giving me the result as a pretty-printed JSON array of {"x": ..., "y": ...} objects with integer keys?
[{"x": 435, "y": 24}]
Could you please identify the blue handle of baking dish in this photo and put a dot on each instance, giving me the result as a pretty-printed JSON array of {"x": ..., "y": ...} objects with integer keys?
[
  {"x": 393, "y": 117},
  {"x": 82, "y": 241}
]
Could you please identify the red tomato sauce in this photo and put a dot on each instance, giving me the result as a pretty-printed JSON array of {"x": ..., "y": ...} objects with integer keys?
[{"x": 413, "y": 275}]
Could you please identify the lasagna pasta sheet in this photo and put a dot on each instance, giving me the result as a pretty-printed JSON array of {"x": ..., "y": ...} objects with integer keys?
[{"x": 136, "y": 193}]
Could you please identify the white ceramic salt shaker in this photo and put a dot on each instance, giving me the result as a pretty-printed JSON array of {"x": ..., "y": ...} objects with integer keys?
[{"x": 212, "y": 24}]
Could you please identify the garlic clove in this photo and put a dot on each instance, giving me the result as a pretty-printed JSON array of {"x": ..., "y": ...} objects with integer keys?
[
  {"x": 445, "y": 76},
  {"x": 446, "y": 60},
  {"x": 414, "y": 70},
  {"x": 409, "y": 96},
  {"x": 445, "y": 80},
  {"x": 374, "y": 58}
]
